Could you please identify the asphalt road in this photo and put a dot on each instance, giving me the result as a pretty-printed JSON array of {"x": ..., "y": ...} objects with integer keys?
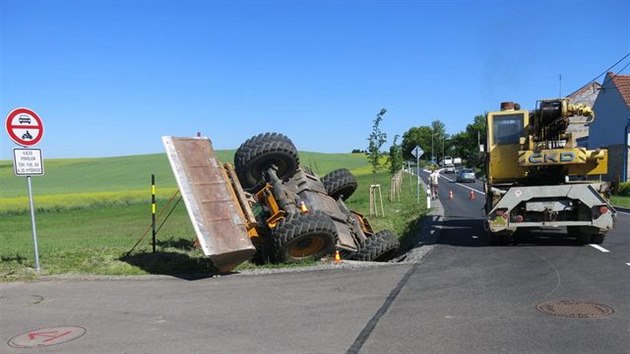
[
  {"x": 462, "y": 297},
  {"x": 478, "y": 298}
]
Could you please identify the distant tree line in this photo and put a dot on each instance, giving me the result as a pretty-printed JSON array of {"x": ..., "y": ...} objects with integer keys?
[{"x": 432, "y": 139}]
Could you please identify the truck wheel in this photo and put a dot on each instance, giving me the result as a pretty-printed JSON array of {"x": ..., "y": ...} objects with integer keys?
[
  {"x": 597, "y": 239},
  {"x": 379, "y": 248},
  {"x": 340, "y": 183},
  {"x": 259, "y": 153},
  {"x": 501, "y": 238},
  {"x": 494, "y": 239},
  {"x": 303, "y": 236},
  {"x": 582, "y": 236}
]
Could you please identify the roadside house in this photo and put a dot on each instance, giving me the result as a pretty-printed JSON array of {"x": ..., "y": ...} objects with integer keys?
[
  {"x": 585, "y": 95},
  {"x": 612, "y": 115}
]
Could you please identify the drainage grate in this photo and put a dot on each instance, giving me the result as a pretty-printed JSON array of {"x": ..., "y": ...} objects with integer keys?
[{"x": 575, "y": 309}]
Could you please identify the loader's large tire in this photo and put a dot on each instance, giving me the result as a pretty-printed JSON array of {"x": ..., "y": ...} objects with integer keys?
[
  {"x": 259, "y": 153},
  {"x": 303, "y": 236},
  {"x": 379, "y": 248},
  {"x": 340, "y": 183}
]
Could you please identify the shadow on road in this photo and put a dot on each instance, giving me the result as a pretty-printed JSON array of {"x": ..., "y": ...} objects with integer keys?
[
  {"x": 461, "y": 231},
  {"x": 173, "y": 258},
  {"x": 464, "y": 231},
  {"x": 546, "y": 237},
  {"x": 412, "y": 236}
]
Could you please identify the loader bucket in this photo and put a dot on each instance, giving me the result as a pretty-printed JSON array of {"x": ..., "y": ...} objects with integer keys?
[{"x": 211, "y": 201}]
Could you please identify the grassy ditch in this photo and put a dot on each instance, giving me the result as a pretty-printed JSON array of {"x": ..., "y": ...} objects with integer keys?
[
  {"x": 622, "y": 201},
  {"x": 89, "y": 231}
]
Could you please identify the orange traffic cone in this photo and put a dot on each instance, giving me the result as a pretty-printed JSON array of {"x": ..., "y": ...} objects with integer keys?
[
  {"x": 337, "y": 257},
  {"x": 472, "y": 195},
  {"x": 450, "y": 194}
]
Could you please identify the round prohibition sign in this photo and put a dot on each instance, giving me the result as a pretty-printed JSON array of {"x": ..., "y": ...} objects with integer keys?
[{"x": 24, "y": 126}]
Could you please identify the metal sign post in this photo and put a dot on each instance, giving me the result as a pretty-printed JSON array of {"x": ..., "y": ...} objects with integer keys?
[
  {"x": 418, "y": 177},
  {"x": 26, "y": 129},
  {"x": 30, "y": 202},
  {"x": 29, "y": 162},
  {"x": 417, "y": 153}
]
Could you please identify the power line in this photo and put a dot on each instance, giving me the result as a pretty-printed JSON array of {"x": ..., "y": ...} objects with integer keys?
[
  {"x": 607, "y": 79},
  {"x": 612, "y": 66},
  {"x": 615, "y": 75}
]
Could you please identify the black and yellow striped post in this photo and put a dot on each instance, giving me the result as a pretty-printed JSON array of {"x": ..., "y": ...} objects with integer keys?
[{"x": 153, "y": 209}]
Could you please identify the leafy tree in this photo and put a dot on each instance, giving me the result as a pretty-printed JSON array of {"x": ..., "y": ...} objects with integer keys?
[
  {"x": 416, "y": 136},
  {"x": 376, "y": 140},
  {"x": 395, "y": 158},
  {"x": 439, "y": 138},
  {"x": 466, "y": 143},
  {"x": 427, "y": 137}
]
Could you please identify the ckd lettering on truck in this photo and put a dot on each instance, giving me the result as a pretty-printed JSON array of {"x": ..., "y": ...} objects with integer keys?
[{"x": 565, "y": 156}]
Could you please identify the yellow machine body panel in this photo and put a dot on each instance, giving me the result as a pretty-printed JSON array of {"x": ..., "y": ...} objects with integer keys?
[
  {"x": 552, "y": 157},
  {"x": 579, "y": 161},
  {"x": 505, "y": 130},
  {"x": 596, "y": 164}
]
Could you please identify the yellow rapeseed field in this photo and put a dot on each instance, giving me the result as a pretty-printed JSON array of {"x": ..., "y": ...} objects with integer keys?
[{"x": 57, "y": 202}]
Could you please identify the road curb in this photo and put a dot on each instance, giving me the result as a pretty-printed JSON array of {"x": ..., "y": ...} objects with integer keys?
[
  {"x": 622, "y": 209},
  {"x": 424, "y": 242}
]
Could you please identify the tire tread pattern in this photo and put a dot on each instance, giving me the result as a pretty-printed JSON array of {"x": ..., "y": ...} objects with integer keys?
[
  {"x": 260, "y": 145},
  {"x": 382, "y": 243},
  {"x": 340, "y": 180},
  {"x": 294, "y": 226}
]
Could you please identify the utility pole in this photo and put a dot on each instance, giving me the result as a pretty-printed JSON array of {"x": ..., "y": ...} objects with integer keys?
[{"x": 432, "y": 157}]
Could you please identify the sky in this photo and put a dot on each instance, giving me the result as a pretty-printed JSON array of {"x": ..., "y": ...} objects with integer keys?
[{"x": 109, "y": 78}]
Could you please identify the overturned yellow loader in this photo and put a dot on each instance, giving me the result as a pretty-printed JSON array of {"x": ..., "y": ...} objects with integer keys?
[
  {"x": 269, "y": 208},
  {"x": 215, "y": 205}
]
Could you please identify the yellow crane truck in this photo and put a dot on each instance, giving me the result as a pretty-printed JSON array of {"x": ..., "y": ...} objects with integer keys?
[{"x": 537, "y": 175}]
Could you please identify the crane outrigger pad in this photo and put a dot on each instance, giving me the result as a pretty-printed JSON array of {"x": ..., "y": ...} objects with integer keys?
[{"x": 212, "y": 205}]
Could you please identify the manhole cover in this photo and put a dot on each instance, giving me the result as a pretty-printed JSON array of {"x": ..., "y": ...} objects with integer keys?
[
  {"x": 575, "y": 309},
  {"x": 46, "y": 337}
]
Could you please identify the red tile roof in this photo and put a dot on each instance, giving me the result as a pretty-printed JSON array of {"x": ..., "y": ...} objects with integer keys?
[{"x": 622, "y": 82}]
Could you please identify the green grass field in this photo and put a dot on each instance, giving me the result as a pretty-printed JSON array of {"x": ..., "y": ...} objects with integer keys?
[
  {"x": 618, "y": 200},
  {"x": 79, "y": 183},
  {"x": 91, "y": 212}
]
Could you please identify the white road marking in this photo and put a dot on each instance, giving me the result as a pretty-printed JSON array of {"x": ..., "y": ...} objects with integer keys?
[
  {"x": 472, "y": 189},
  {"x": 599, "y": 248},
  {"x": 628, "y": 264}
]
